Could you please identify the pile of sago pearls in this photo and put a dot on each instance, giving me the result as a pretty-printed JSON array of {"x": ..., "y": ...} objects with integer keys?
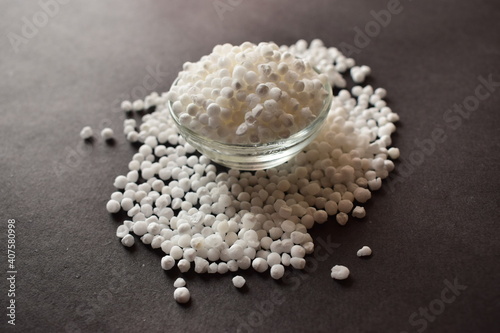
[
  {"x": 216, "y": 221},
  {"x": 248, "y": 94}
]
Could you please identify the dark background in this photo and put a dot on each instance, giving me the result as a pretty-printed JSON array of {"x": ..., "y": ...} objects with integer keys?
[{"x": 431, "y": 222}]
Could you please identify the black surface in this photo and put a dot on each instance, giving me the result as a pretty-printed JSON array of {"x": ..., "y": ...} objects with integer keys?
[{"x": 437, "y": 222}]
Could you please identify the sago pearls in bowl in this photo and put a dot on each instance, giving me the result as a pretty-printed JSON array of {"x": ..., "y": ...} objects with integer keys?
[
  {"x": 250, "y": 106},
  {"x": 217, "y": 221}
]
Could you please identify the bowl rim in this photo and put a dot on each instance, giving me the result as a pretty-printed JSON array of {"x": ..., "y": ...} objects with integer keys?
[{"x": 305, "y": 132}]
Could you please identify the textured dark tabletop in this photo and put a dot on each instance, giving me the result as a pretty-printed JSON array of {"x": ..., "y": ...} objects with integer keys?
[{"x": 434, "y": 226}]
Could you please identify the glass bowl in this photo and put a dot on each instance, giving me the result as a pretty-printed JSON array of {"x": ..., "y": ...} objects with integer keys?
[{"x": 255, "y": 156}]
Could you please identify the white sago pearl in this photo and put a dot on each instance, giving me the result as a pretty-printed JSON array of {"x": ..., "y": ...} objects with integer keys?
[
  {"x": 359, "y": 212},
  {"x": 179, "y": 282},
  {"x": 362, "y": 195},
  {"x": 122, "y": 231},
  {"x": 285, "y": 259},
  {"x": 118, "y": 196},
  {"x": 393, "y": 153},
  {"x": 342, "y": 218},
  {"x": 126, "y": 106},
  {"x": 277, "y": 271},
  {"x": 167, "y": 262},
  {"x": 182, "y": 295},
  {"x": 298, "y": 263},
  {"x": 260, "y": 265},
  {"x": 147, "y": 239},
  {"x": 364, "y": 251},
  {"x": 127, "y": 204},
  {"x": 201, "y": 265},
  {"x": 113, "y": 206},
  {"x": 287, "y": 225},
  {"x": 345, "y": 206},
  {"x": 107, "y": 133},
  {"x": 133, "y": 212},
  {"x": 357, "y": 74},
  {"x": 151, "y": 141},
  {"x": 86, "y": 133},
  {"x": 339, "y": 272},
  {"x": 357, "y": 90},
  {"x": 239, "y": 281},
  {"x": 375, "y": 184},
  {"x": 222, "y": 268},
  {"x": 381, "y": 92},
  {"x": 140, "y": 228},
  {"x": 365, "y": 70},
  {"x": 212, "y": 268},
  {"x": 183, "y": 265},
  {"x": 128, "y": 240},
  {"x": 331, "y": 207},
  {"x": 273, "y": 259},
  {"x": 176, "y": 252},
  {"x": 320, "y": 216},
  {"x": 298, "y": 251},
  {"x": 138, "y": 105},
  {"x": 232, "y": 265},
  {"x": 132, "y": 176}
]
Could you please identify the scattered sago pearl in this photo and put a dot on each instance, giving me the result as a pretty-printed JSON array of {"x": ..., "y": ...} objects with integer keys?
[
  {"x": 107, "y": 133},
  {"x": 179, "y": 282},
  {"x": 364, "y": 251},
  {"x": 359, "y": 212},
  {"x": 86, "y": 133},
  {"x": 339, "y": 272},
  {"x": 342, "y": 218},
  {"x": 239, "y": 281},
  {"x": 182, "y": 295}
]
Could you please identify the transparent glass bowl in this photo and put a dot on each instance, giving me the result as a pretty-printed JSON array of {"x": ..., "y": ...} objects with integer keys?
[{"x": 255, "y": 156}]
